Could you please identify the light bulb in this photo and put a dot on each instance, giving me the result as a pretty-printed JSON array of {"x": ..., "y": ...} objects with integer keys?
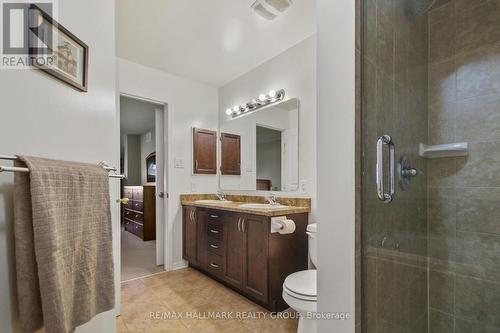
[
  {"x": 262, "y": 97},
  {"x": 243, "y": 106},
  {"x": 229, "y": 111},
  {"x": 272, "y": 93},
  {"x": 236, "y": 108}
]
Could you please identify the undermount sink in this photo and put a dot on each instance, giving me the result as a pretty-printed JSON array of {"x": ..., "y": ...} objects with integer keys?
[
  {"x": 262, "y": 206},
  {"x": 213, "y": 201}
]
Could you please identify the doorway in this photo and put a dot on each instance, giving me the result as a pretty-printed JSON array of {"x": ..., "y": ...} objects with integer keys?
[{"x": 143, "y": 162}]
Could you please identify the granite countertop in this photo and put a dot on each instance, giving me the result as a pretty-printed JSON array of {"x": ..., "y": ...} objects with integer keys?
[{"x": 294, "y": 205}]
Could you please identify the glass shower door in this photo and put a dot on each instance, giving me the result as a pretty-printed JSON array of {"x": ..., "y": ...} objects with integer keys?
[
  {"x": 430, "y": 250},
  {"x": 394, "y": 176}
]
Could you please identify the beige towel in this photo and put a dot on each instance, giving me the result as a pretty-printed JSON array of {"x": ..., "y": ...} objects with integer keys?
[{"x": 63, "y": 242}]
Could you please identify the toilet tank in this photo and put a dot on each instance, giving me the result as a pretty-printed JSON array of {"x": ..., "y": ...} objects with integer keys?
[{"x": 313, "y": 243}]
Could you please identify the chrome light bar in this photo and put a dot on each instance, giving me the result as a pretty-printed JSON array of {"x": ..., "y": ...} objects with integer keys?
[{"x": 256, "y": 103}]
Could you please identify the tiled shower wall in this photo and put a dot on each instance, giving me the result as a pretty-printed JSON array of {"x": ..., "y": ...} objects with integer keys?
[{"x": 464, "y": 193}]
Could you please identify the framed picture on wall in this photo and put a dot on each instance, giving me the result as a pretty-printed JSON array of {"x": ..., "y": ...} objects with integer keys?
[
  {"x": 63, "y": 55},
  {"x": 151, "y": 168}
]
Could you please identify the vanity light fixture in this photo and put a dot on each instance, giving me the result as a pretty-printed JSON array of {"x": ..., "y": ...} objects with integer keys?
[{"x": 263, "y": 100}]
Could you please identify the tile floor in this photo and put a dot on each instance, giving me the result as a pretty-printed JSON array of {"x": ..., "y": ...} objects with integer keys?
[
  {"x": 138, "y": 258},
  {"x": 189, "y": 292}
]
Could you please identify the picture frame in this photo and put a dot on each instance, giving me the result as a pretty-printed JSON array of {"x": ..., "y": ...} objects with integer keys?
[
  {"x": 151, "y": 168},
  {"x": 69, "y": 54}
]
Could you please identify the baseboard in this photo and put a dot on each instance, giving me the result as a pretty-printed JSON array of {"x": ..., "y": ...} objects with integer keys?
[{"x": 179, "y": 265}]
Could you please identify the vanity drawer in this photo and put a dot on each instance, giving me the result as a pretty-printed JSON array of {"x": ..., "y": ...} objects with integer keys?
[
  {"x": 136, "y": 205},
  {"x": 214, "y": 264},
  {"x": 214, "y": 216},
  {"x": 214, "y": 230},
  {"x": 215, "y": 246}
]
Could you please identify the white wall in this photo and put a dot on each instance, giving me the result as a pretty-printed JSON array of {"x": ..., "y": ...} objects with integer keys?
[
  {"x": 43, "y": 117},
  {"x": 147, "y": 147},
  {"x": 133, "y": 162},
  {"x": 336, "y": 152},
  {"x": 295, "y": 71},
  {"x": 189, "y": 104}
]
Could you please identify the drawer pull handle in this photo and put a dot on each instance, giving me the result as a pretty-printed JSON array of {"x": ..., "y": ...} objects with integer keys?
[
  {"x": 214, "y": 246},
  {"x": 214, "y": 231},
  {"x": 214, "y": 265},
  {"x": 214, "y": 216}
]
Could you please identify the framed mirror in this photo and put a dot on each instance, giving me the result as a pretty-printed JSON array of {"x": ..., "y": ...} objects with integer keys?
[{"x": 260, "y": 150}]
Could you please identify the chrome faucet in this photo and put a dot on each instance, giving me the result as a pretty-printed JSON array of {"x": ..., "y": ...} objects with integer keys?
[
  {"x": 221, "y": 196},
  {"x": 272, "y": 199}
]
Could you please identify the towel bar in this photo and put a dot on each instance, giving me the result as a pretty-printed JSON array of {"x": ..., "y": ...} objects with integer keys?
[{"x": 102, "y": 164}]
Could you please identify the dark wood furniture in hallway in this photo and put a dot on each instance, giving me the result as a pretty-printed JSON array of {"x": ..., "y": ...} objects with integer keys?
[{"x": 139, "y": 215}]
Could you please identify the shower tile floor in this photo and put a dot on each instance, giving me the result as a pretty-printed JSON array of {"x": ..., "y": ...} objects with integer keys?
[{"x": 191, "y": 295}]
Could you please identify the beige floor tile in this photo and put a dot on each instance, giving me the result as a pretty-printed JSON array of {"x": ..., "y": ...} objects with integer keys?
[
  {"x": 157, "y": 326},
  {"x": 188, "y": 291},
  {"x": 120, "y": 326}
]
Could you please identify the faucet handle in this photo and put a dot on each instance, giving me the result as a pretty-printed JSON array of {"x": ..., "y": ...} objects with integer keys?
[{"x": 272, "y": 198}]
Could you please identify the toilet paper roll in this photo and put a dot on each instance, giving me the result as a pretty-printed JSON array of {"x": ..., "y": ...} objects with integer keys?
[
  {"x": 282, "y": 225},
  {"x": 288, "y": 227}
]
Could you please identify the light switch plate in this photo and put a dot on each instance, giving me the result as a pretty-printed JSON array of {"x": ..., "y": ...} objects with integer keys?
[
  {"x": 193, "y": 187},
  {"x": 303, "y": 186},
  {"x": 179, "y": 163},
  {"x": 148, "y": 137}
]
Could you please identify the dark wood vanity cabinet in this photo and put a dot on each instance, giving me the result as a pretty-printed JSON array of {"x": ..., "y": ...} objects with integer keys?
[
  {"x": 239, "y": 250},
  {"x": 204, "y": 151}
]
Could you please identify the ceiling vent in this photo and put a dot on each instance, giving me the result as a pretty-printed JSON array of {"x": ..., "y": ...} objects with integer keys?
[{"x": 270, "y": 9}]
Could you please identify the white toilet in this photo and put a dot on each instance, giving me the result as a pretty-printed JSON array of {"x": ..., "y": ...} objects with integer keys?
[{"x": 299, "y": 289}]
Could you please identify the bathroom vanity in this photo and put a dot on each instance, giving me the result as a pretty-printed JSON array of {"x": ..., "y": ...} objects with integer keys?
[{"x": 238, "y": 248}]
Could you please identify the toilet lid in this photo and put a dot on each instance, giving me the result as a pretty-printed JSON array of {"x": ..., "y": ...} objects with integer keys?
[{"x": 302, "y": 283}]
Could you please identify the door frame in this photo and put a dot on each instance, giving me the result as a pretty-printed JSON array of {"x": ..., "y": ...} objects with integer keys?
[{"x": 166, "y": 240}]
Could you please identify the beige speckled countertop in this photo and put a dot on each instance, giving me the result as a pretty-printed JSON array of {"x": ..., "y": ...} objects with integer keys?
[{"x": 294, "y": 205}]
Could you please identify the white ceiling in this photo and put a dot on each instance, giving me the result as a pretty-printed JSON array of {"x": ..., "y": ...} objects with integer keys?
[
  {"x": 212, "y": 41},
  {"x": 136, "y": 117}
]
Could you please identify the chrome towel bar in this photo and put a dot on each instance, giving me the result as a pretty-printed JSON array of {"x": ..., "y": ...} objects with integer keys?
[{"x": 102, "y": 164}]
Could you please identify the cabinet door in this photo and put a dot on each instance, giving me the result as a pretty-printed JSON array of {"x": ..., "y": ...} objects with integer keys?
[
  {"x": 204, "y": 151},
  {"x": 256, "y": 235},
  {"x": 201, "y": 241},
  {"x": 189, "y": 233},
  {"x": 233, "y": 250},
  {"x": 230, "y": 154}
]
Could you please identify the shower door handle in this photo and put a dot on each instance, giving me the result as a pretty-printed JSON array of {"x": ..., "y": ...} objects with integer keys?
[{"x": 384, "y": 196}]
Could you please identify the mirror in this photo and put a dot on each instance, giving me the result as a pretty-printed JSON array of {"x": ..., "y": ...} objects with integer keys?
[{"x": 260, "y": 150}]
